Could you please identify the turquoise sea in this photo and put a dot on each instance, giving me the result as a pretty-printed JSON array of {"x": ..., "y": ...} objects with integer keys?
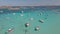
[{"x": 16, "y": 19}]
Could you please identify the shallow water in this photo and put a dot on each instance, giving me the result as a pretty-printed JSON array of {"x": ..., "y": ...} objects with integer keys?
[{"x": 51, "y": 23}]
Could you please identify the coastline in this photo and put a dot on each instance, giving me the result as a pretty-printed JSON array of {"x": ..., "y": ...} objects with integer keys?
[{"x": 18, "y": 7}]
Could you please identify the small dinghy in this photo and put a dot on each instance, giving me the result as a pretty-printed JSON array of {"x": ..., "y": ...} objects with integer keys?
[
  {"x": 27, "y": 24},
  {"x": 10, "y": 30},
  {"x": 42, "y": 21},
  {"x": 37, "y": 28}
]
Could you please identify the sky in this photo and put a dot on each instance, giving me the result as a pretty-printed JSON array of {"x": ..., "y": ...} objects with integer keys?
[{"x": 29, "y": 2}]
